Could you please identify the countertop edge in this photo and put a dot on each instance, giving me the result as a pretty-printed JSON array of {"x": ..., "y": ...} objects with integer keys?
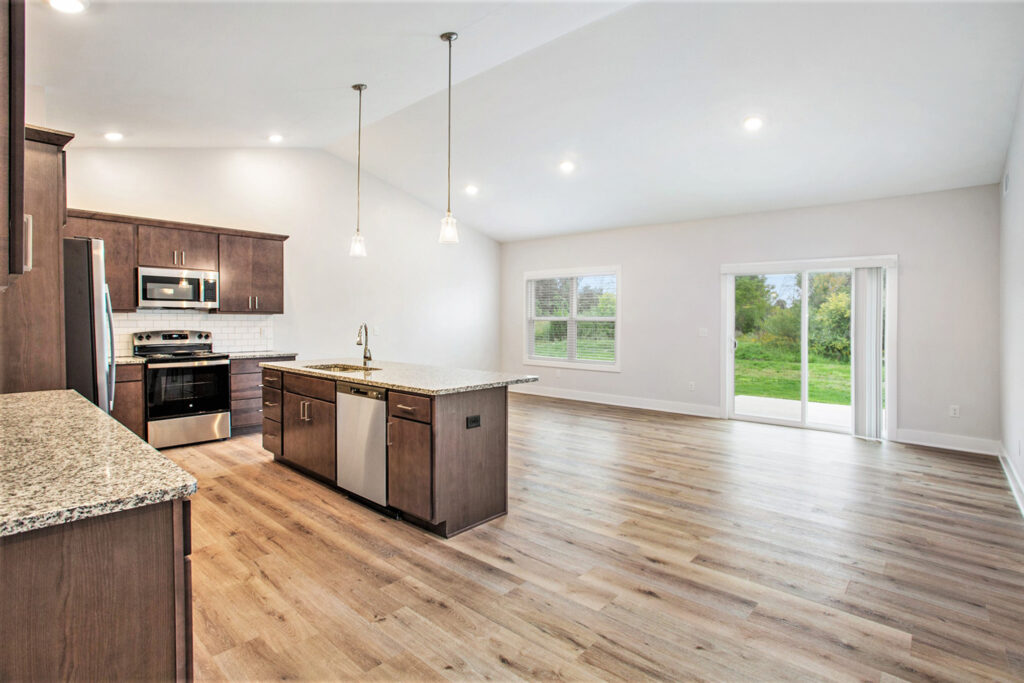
[{"x": 57, "y": 517}]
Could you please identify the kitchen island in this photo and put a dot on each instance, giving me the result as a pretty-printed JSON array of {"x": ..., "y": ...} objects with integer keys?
[
  {"x": 431, "y": 446},
  {"x": 95, "y": 578}
]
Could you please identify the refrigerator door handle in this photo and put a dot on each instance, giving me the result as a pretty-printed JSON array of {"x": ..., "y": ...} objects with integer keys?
[{"x": 112, "y": 364}]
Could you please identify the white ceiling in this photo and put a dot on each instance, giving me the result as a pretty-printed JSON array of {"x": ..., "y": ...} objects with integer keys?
[{"x": 860, "y": 100}]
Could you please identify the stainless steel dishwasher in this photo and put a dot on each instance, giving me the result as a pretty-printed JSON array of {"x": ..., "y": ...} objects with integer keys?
[{"x": 362, "y": 442}]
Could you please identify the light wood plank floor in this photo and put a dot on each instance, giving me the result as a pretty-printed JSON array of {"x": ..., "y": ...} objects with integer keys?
[{"x": 639, "y": 545}]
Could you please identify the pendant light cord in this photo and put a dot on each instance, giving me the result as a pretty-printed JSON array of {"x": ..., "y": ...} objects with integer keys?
[
  {"x": 449, "y": 126},
  {"x": 359, "y": 159}
]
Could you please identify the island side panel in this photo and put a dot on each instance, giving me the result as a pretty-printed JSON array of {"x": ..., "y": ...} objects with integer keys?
[
  {"x": 94, "y": 599},
  {"x": 470, "y": 464}
]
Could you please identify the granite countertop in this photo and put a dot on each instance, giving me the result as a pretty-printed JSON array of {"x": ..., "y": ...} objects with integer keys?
[
  {"x": 419, "y": 379},
  {"x": 63, "y": 459},
  {"x": 240, "y": 355}
]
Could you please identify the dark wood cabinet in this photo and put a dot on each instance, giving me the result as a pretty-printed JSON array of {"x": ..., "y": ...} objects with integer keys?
[
  {"x": 248, "y": 393},
  {"x": 130, "y": 398},
  {"x": 309, "y": 434},
  {"x": 32, "y": 307},
  {"x": 101, "y": 598},
  {"x": 177, "y": 248},
  {"x": 119, "y": 249},
  {"x": 410, "y": 471},
  {"x": 251, "y": 275}
]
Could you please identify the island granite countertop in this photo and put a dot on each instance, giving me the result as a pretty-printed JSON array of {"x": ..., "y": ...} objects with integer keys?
[
  {"x": 63, "y": 459},
  {"x": 418, "y": 379}
]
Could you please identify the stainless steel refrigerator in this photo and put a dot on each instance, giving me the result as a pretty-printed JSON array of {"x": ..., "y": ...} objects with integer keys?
[{"x": 88, "y": 322}]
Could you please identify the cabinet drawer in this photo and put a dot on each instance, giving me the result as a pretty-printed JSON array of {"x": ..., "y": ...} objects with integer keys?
[
  {"x": 246, "y": 413},
  {"x": 272, "y": 436},
  {"x": 129, "y": 373},
  {"x": 323, "y": 389},
  {"x": 409, "y": 406},
  {"x": 245, "y": 366},
  {"x": 272, "y": 379},
  {"x": 271, "y": 404},
  {"x": 245, "y": 386}
]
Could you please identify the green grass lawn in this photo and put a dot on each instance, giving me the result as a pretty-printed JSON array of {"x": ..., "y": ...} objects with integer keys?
[
  {"x": 775, "y": 373},
  {"x": 586, "y": 349}
]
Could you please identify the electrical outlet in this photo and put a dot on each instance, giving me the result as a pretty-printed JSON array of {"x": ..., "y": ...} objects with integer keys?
[
  {"x": 693, "y": 386},
  {"x": 954, "y": 411},
  {"x": 702, "y": 331}
]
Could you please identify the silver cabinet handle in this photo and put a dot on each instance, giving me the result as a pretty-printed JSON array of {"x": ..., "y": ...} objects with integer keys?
[
  {"x": 406, "y": 408},
  {"x": 175, "y": 257},
  {"x": 389, "y": 434},
  {"x": 182, "y": 257},
  {"x": 269, "y": 404},
  {"x": 257, "y": 303},
  {"x": 250, "y": 303}
]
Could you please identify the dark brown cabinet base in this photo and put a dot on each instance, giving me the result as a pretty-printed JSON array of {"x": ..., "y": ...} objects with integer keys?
[
  {"x": 130, "y": 398},
  {"x": 247, "y": 409},
  {"x": 103, "y": 598}
]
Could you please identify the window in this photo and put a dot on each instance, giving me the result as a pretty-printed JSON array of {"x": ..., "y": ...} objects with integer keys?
[{"x": 573, "y": 318}]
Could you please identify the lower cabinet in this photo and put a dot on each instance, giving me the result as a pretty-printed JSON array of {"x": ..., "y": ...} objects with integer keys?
[
  {"x": 130, "y": 398},
  {"x": 101, "y": 598},
  {"x": 409, "y": 468},
  {"x": 247, "y": 409},
  {"x": 310, "y": 427}
]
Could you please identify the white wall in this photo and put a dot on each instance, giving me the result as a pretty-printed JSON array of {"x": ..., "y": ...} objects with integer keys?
[
  {"x": 1012, "y": 299},
  {"x": 432, "y": 304},
  {"x": 948, "y": 350}
]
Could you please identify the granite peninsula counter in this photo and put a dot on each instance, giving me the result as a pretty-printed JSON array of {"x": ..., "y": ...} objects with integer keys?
[
  {"x": 428, "y": 443},
  {"x": 95, "y": 573},
  {"x": 64, "y": 459}
]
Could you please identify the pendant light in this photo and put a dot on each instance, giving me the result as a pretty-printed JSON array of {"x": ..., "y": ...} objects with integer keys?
[
  {"x": 449, "y": 233},
  {"x": 358, "y": 248}
]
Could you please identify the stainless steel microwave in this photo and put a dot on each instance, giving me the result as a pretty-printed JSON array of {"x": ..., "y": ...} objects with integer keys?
[{"x": 176, "y": 288}]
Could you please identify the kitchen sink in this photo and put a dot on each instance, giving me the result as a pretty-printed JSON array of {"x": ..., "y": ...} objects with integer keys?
[{"x": 341, "y": 367}]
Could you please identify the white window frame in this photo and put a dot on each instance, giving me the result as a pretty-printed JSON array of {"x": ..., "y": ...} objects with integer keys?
[{"x": 527, "y": 318}]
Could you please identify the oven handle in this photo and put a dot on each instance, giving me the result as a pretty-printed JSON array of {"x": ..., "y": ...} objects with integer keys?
[{"x": 191, "y": 363}]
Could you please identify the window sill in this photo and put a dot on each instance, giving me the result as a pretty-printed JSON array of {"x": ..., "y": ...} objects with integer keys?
[{"x": 572, "y": 366}]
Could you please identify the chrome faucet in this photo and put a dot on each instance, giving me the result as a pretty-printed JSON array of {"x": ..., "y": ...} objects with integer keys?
[{"x": 367, "y": 356}]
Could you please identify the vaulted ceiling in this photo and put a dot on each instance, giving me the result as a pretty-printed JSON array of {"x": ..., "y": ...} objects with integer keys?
[{"x": 647, "y": 99}]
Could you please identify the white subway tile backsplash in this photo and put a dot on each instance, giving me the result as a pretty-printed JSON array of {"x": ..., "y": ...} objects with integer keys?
[{"x": 230, "y": 332}]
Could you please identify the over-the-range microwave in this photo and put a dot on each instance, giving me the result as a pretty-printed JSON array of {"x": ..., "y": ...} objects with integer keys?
[{"x": 177, "y": 288}]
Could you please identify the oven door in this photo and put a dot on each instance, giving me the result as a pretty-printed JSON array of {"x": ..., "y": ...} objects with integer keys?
[
  {"x": 170, "y": 288},
  {"x": 184, "y": 388}
]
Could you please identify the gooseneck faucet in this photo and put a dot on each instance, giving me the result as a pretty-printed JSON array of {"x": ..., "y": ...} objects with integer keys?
[{"x": 367, "y": 356}]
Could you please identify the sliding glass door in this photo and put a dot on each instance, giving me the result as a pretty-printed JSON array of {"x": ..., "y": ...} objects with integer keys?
[{"x": 790, "y": 348}]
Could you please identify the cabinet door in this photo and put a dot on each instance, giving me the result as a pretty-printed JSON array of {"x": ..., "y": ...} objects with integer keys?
[
  {"x": 130, "y": 407},
  {"x": 309, "y": 434},
  {"x": 268, "y": 275},
  {"x": 410, "y": 484},
  {"x": 170, "y": 248},
  {"x": 120, "y": 255},
  {"x": 236, "y": 273}
]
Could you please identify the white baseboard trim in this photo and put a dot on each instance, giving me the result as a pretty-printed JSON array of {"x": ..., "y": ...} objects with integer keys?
[
  {"x": 695, "y": 409},
  {"x": 1012, "y": 476},
  {"x": 951, "y": 442}
]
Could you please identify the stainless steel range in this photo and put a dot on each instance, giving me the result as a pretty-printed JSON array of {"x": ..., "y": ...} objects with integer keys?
[{"x": 188, "y": 387}]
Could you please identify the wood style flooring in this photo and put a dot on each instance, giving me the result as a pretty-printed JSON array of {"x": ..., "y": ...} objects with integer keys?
[{"x": 639, "y": 545}]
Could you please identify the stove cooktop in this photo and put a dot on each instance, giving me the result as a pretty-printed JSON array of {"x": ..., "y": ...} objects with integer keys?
[{"x": 182, "y": 355}]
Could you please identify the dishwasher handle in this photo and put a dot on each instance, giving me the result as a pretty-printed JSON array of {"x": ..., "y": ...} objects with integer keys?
[{"x": 345, "y": 388}]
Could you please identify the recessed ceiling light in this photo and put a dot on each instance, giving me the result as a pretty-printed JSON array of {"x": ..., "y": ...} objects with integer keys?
[
  {"x": 567, "y": 166},
  {"x": 69, "y": 6},
  {"x": 753, "y": 123},
  {"x": 113, "y": 137},
  {"x": 276, "y": 138},
  {"x": 472, "y": 189}
]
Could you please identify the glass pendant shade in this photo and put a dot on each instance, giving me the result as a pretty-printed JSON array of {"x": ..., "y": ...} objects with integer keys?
[
  {"x": 449, "y": 233},
  {"x": 358, "y": 248}
]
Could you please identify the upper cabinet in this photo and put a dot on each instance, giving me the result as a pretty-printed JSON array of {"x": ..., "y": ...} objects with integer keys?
[
  {"x": 251, "y": 275},
  {"x": 171, "y": 247},
  {"x": 119, "y": 248}
]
